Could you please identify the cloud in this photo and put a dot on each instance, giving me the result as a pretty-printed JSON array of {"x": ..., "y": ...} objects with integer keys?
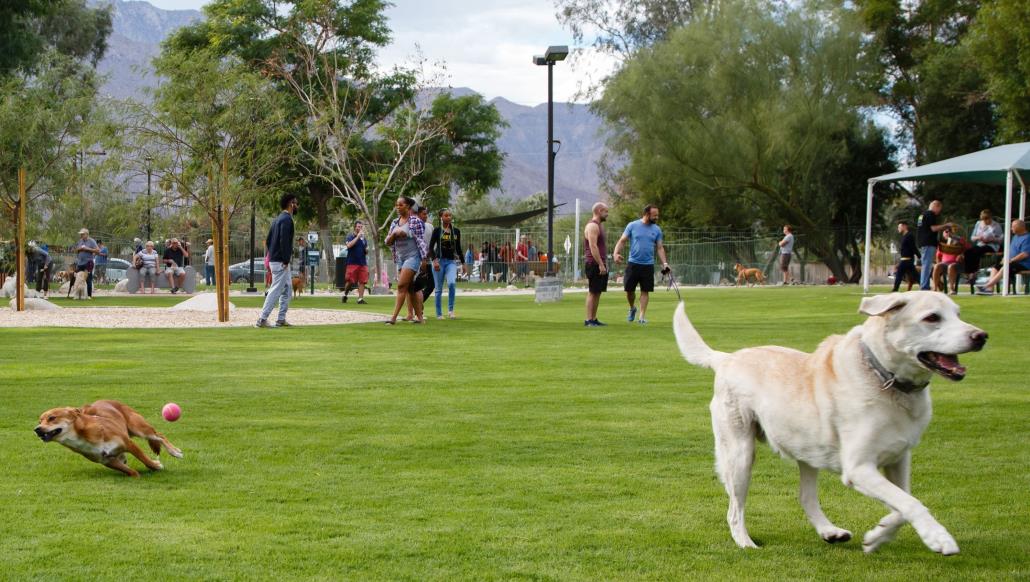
[{"x": 488, "y": 48}]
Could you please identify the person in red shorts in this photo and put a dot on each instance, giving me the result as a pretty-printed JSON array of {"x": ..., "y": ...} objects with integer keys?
[{"x": 357, "y": 263}]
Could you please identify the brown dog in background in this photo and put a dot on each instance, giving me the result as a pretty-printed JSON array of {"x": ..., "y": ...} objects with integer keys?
[
  {"x": 744, "y": 275},
  {"x": 299, "y": 281},
  {"x": 101, "y": 432}
]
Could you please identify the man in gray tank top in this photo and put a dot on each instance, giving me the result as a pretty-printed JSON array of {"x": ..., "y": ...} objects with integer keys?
[{"x": 596, "y": 262}]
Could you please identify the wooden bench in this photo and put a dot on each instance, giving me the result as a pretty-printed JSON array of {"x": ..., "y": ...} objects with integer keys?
[{"x": 161, "y": 280}]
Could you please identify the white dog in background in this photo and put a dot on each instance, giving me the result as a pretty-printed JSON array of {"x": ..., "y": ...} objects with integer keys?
[
  {"x": 859, "y": 403},
  {"x": 79, "y": 289}
]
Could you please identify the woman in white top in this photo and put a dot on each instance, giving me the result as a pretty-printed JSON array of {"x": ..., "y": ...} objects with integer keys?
[
  {"x": 149, "y": 268},
  {"x": 986, "y": 238}
]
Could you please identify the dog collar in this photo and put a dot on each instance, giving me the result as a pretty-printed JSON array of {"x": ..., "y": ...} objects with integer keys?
[{"x": 889, "y": 379}]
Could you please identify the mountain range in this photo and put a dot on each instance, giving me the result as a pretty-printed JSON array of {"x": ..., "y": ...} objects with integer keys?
[{"x": 139, "y": 28}]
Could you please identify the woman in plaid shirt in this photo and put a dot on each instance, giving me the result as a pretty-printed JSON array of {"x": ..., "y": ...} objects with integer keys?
[{"x": 406, "y": 239}]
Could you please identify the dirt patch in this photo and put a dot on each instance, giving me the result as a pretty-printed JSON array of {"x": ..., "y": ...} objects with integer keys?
[{"x": 152, "y": 317}]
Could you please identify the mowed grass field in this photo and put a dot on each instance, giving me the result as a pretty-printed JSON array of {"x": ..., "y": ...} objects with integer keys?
[{"x": 509, "y": 444}]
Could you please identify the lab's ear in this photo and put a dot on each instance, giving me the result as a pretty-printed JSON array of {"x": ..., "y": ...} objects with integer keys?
[{"x": 881, "y": 304}]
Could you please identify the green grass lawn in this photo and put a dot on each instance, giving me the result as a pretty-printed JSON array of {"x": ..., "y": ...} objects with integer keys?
[{"x": 509, "y": 444}]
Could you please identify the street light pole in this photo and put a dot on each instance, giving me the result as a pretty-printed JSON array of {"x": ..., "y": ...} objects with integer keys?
[
  {"x": 149, "y": 160},
  {"x": 253, "y": 212},
  {"x": 551, "y": 56}
]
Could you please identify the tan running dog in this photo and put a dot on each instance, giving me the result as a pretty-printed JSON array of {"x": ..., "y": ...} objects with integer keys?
[
  {"x": 856, "y": 405},
  {"x": 744, "y": 275},
  {"x": 101, "y": 432}
]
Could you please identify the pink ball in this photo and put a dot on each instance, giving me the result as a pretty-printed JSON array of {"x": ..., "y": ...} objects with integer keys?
[{"x": 171, "y": 412}]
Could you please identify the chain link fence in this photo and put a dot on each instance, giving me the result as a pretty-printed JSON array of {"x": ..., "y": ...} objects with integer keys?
[{"x": 697, "y": 257}]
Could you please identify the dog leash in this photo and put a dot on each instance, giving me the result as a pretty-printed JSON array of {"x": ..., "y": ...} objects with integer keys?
[{"x": 672, "y": 284}]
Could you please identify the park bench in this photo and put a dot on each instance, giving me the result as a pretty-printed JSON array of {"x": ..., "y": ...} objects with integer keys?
[{"x": 161, "y": 280}]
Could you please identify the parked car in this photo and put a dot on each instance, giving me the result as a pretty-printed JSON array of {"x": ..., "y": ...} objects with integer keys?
[
  {"x": 240, "y": 272},
  {"x": 117, "y": 269}
]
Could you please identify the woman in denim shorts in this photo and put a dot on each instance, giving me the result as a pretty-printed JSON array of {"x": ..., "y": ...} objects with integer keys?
[{"x": 407, "y": 240}]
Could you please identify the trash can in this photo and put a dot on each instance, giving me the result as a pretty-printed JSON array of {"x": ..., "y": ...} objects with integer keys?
[{"x": 340, "y": 280}]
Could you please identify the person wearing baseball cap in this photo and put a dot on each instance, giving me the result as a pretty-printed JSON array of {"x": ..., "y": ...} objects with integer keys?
[
  {"x": 209, "y": 263},
  {"x": 85, "y": 251}
]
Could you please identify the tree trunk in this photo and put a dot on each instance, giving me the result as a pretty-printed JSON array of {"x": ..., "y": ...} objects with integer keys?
[{"x": 19, "y": 247}]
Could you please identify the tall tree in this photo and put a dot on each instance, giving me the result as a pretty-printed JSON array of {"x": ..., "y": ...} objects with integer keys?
[
  {"x": 220, "y": 135},
  {"x": 1000, "y": 41},
  {"x": 762, "y": 113},
  {"x": 934, "y": 87},
  {"x": 28, "y": 28}
]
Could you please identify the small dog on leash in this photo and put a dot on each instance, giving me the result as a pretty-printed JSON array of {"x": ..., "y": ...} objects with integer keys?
[
  {"x": 102, "y": 433},
  {"x": 79, "y": 288},
  {"x": 299, "y": 281},
  {"x": 744, "y": 275}
]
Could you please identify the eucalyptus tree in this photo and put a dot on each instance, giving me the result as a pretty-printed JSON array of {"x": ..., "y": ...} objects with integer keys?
[{"x": 753, "y": 114}]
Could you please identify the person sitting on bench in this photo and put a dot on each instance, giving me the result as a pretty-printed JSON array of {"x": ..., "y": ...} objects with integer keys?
[{"x": 1019, "y": 250}]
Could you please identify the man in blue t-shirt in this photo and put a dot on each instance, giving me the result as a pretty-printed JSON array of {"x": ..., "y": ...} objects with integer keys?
[
  {"x": 1019, "y": 250},
  {"x": 644, "y": 236},
  {"x": 357, "y": 263}
]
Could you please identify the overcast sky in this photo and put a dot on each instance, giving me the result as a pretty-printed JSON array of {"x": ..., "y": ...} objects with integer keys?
[{"x": 486, "y": 45}]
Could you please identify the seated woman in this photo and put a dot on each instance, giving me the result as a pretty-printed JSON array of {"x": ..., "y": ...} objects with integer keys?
[
  {"x": 148, "y": 270},
  {"x": 948, "y": 263}
]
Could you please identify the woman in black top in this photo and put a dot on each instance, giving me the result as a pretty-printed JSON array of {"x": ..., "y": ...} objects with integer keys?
[{"x": 445, "y": 252}]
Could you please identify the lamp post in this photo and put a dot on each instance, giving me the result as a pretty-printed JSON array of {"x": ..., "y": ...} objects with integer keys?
[
  {"x": 149, "y": 160},
  {"x": 552, "y": 55},
  {"x": 253, "y": 211}
]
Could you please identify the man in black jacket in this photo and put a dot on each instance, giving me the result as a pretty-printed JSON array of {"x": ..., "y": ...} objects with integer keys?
[
  {"x": 279, "y": 243},
  {"x": 906, "y": 269}
]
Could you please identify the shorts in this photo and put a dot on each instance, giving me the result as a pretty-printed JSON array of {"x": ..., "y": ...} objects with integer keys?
[
  {"x": 639, "y": 274},
  {"x": 410, "y": 263},
  {"x": 1013, "y": 269},
  {"x": 784, "y": 261},
  {"x": 147, "y": 272},
  {"x": 175, "y": 271},
  {"x": 596, "y": 282},
  {"x": 356, "y": 274}
]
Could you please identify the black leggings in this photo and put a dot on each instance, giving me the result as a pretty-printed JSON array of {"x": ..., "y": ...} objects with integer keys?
[
  {"x": 43, "y": 279},
  {"x": 906, "y": 269}
]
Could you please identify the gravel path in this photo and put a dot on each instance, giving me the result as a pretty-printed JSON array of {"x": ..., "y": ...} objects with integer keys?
[{"x": 150, "y": 317}]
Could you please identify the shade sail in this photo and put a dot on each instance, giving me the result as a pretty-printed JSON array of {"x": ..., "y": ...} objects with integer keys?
[
  {"x": 510, "y": 220},
  {"x": 990, "y": 166}
]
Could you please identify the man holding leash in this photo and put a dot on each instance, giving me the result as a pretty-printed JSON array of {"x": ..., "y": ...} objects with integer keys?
[
  {"x": 85, "y": 252},
  {"x": 279, "y": 243},
  {"x": 596, "y": 266},
  {"x": 644, "y": 237}
]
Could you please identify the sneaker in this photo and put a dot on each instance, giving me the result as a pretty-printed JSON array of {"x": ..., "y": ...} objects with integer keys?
[
  {"x": 642, "y": 321},
  {"x": 283, "y": 324},
  {"x": 599, "y": 324},
  {"x": 439, "y": 317},
  {"x": 450, "y": 315},
  {"x": 262, "y": 323},
  {"x": 981, "y": 290},
  {"x": 345, "y": 299},
  {"x": 632, "y": 314},
  {"x": 361, "y": 302},
  {"x": 588, "y": 323},
  {"x": 390, "y": 322},
  {"x": 175, "y": 290}
]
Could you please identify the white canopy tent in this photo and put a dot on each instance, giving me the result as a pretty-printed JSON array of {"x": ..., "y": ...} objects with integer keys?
[{"x": 997, "y": 165}]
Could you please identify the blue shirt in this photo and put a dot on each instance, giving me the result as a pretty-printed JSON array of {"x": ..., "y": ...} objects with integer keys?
[
  {"x": 356, "y": 254},
  {"x": 1021, "y": 244},
  {"x": 642, "y": 240}
]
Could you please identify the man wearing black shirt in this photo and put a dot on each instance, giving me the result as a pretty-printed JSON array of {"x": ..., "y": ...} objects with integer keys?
[
  {"x": 906, "y": 269},
  {"x": 174, "y": 258},
  {"x": 926, "y": 238}
]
